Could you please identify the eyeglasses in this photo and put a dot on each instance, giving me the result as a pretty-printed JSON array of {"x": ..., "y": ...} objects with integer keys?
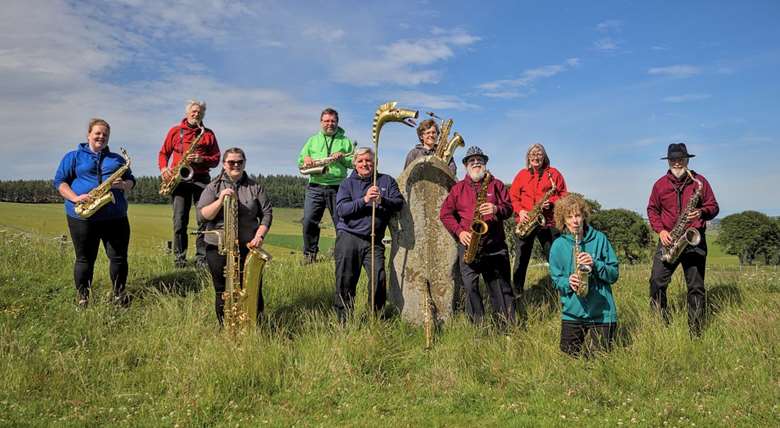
[
  {"x": 234, "y": 162},
  {"x": 475, "y": 161}
]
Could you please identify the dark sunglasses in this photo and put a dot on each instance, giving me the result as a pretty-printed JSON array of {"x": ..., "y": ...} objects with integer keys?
[{"x": 235, "y": 162}]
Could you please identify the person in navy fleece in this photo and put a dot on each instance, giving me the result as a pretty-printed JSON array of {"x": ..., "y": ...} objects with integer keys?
[{"x": 354, "y": 200}]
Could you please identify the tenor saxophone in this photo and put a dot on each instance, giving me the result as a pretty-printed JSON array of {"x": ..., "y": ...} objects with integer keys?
[
  {"x": 102, "y": 194},
  {"x": 682, "y": 236},
  {"x": 182, "y": 171},
  {"x": 478, "y": 226}
]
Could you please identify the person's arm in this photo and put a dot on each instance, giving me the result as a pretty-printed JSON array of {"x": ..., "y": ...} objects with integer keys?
[
  {"x": 709, "y": 206},
  {"x": 346, "y": 206},
  {"x": 266, "y": 218},
  {"x": 560, "y": 187},
  {"x": 393, "y": 200},
  {"x": 605, "y": 264},
  {"x": 447, "y": 215},
  {"x": 166, "y": 151},
  {"x": 304, "y": 157},
  {"x": 503, "y": 205},
  {"x": 560, "y": 266},
  {"x": 210, "y": 202}
]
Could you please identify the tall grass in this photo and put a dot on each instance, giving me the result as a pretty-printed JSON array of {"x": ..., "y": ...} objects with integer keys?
[{"x": 164, "y": 362}]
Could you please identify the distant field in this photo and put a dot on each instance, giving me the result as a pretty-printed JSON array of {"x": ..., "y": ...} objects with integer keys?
[{"x": 151, "y": 226}]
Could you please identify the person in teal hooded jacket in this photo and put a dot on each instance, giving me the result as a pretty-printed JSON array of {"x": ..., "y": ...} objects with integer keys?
[
  {"x": 595, "y": 310},
  {"x": 329, "y": 142}
]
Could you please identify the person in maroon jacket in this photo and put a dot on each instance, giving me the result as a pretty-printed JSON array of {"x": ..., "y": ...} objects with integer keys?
[
  {"x": 528, "y": 188},
  {"x": 668, "y": 199},
  {"x": 204, "y": 157},
  {"x": 492, "y": 262}
]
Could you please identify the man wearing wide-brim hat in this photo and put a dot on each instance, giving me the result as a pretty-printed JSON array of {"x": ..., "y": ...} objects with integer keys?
[
  {"x": 492, "y": 261},
  {"x": 680, "y": 200}
]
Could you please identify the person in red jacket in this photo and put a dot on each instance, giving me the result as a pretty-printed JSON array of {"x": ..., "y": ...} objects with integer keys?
[
  {"x": 670, "y": 197},
  {"x": 528, "y": 188},
  {"x": 204, "y": 157},
  {"x": 492, "y": 262}
]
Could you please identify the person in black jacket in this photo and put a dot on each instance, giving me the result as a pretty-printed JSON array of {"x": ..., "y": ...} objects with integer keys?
[{"x": 354, "y": 202}]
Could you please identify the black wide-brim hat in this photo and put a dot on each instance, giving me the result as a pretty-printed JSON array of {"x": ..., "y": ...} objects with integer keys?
[{"x": 677, "y": 151}]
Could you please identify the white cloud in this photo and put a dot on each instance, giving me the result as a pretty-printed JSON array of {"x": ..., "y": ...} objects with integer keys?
[
  {"x": 686, "y": 98},
  {"x": 606, "y": 44},
  {"x": 677, "y": 71},
  {"x": 432, "y": 101},
  {"x": 610, "y": 25},
  {"x": 510, "y": 88},
  {"x": 406, "y": 62}
]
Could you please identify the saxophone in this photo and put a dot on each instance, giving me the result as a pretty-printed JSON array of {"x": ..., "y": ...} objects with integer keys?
[
  {"x": 182, "y": 171},
  {"x": 535, "y": 216},
  {"x": 681, "y": 234},
  {"x": 102, "y": 194},
  {"x": 581, "y": 270},
  {"x": 445, "y": 147},
  {"x": 478, "y": 226},
  {"x": 240, "y": 298},
  {"x": 320, "y": 166}
]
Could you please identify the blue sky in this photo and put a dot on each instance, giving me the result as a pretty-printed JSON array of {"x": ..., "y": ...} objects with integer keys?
[{"x": 605, "y": 86}]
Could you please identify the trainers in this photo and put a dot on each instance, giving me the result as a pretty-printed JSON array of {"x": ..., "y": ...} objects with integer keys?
[{"x": 309, "y": 259}]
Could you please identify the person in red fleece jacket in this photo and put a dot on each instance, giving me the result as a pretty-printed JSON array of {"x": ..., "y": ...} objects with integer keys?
[
  {"x": 528, "y": 188},
  {"x": 668, "y": 200},
  {"x": 492, "y": 262},
  {"x": 205, "y": 157}
]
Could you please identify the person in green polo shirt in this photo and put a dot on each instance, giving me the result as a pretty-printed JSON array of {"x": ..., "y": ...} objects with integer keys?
[{"x": 330, "y": 142}]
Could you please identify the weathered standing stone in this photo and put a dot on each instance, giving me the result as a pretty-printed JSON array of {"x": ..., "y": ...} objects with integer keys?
[{"x": 422, "y": 251}]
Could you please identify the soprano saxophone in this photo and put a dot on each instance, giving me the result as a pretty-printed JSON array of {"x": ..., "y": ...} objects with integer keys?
[
  {"x": 320, "y": 166},
  {"x": 682, "y": 236},
  {"x": 478, "y": 226},
  {"x": 581, "y": 270},
  {"x": 102, "y": 194},
  {"x": 182, "y": 171},
  {"x": 535, "y": 216}
]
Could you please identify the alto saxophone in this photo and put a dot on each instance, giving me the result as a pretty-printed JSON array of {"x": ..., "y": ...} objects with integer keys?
[
  {"x": 102, "y": 194},
  {"x": 535, "y": 216},
  {"x": 581, "y": 270},
  {"x": 241, "y": 298},
  {"x": 182, "y": 171},
  {"x": 478, "y": 226},
  {"x": 682, "y": 236}
]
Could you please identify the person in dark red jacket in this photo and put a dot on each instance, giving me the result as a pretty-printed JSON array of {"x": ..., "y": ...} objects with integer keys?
[
  {"x": 668, "y": 200},
  {"x": 492, "y": 262},
  {"x": 528, "y": 188},
  {"x": 205, "y": 157}
]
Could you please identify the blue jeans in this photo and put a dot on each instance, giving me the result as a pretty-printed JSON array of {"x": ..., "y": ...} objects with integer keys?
[{"x": 318, "y": 197}]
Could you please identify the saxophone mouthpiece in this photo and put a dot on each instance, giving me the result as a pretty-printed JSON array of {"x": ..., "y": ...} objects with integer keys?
[
  {"x": 410, "y": 122},
  {"x": 433, "y": 115}
]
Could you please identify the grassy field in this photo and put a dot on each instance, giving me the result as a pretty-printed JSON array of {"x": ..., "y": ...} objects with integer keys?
[{"x": 163, "y": 362}]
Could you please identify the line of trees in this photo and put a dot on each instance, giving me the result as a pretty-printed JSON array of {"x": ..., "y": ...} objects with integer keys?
[{"x": 285, "y": 191}]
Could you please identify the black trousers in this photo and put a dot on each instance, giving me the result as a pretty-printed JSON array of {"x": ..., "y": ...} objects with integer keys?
[
  {"x": 317, "y": 198},
  {"x": 351, "y": 253},
  {"x": 693, "y": 261},
  {"x": 573, "y": 334},
  {"x": 494, "y": 269},
  {"x": 523, "y": 250},
  {"x": 183, "y": 197},
  {"x": 86, "y": 236},
  {"x": 216, "y": 263}
]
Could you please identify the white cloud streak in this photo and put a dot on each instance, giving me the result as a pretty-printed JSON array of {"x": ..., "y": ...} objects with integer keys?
[
  {"x": 407, "y": 62},
  {"x": 522, "y": 85},
  {"x": 686, "y": 98},
  {"x": 676, "y": 71}
]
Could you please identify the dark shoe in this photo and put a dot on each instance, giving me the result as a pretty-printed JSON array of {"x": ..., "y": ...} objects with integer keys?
[
  {"x": 122, "y": 300},
  {"x": 309, "y": 259}
]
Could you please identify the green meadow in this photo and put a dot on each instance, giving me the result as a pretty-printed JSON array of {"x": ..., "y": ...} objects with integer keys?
[{"x": 164, "y": 362}]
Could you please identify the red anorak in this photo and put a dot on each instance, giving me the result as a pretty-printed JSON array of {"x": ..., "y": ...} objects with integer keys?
[
  {"x": 457, "y": 211},
  {"x": 529, "y": 187},
  {"x": 670, "y": 196},
  {"x": 178, "y": 141}
]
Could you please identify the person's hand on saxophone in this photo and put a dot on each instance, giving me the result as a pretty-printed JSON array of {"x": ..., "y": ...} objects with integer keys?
[{"x": 575, "y": 280}]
